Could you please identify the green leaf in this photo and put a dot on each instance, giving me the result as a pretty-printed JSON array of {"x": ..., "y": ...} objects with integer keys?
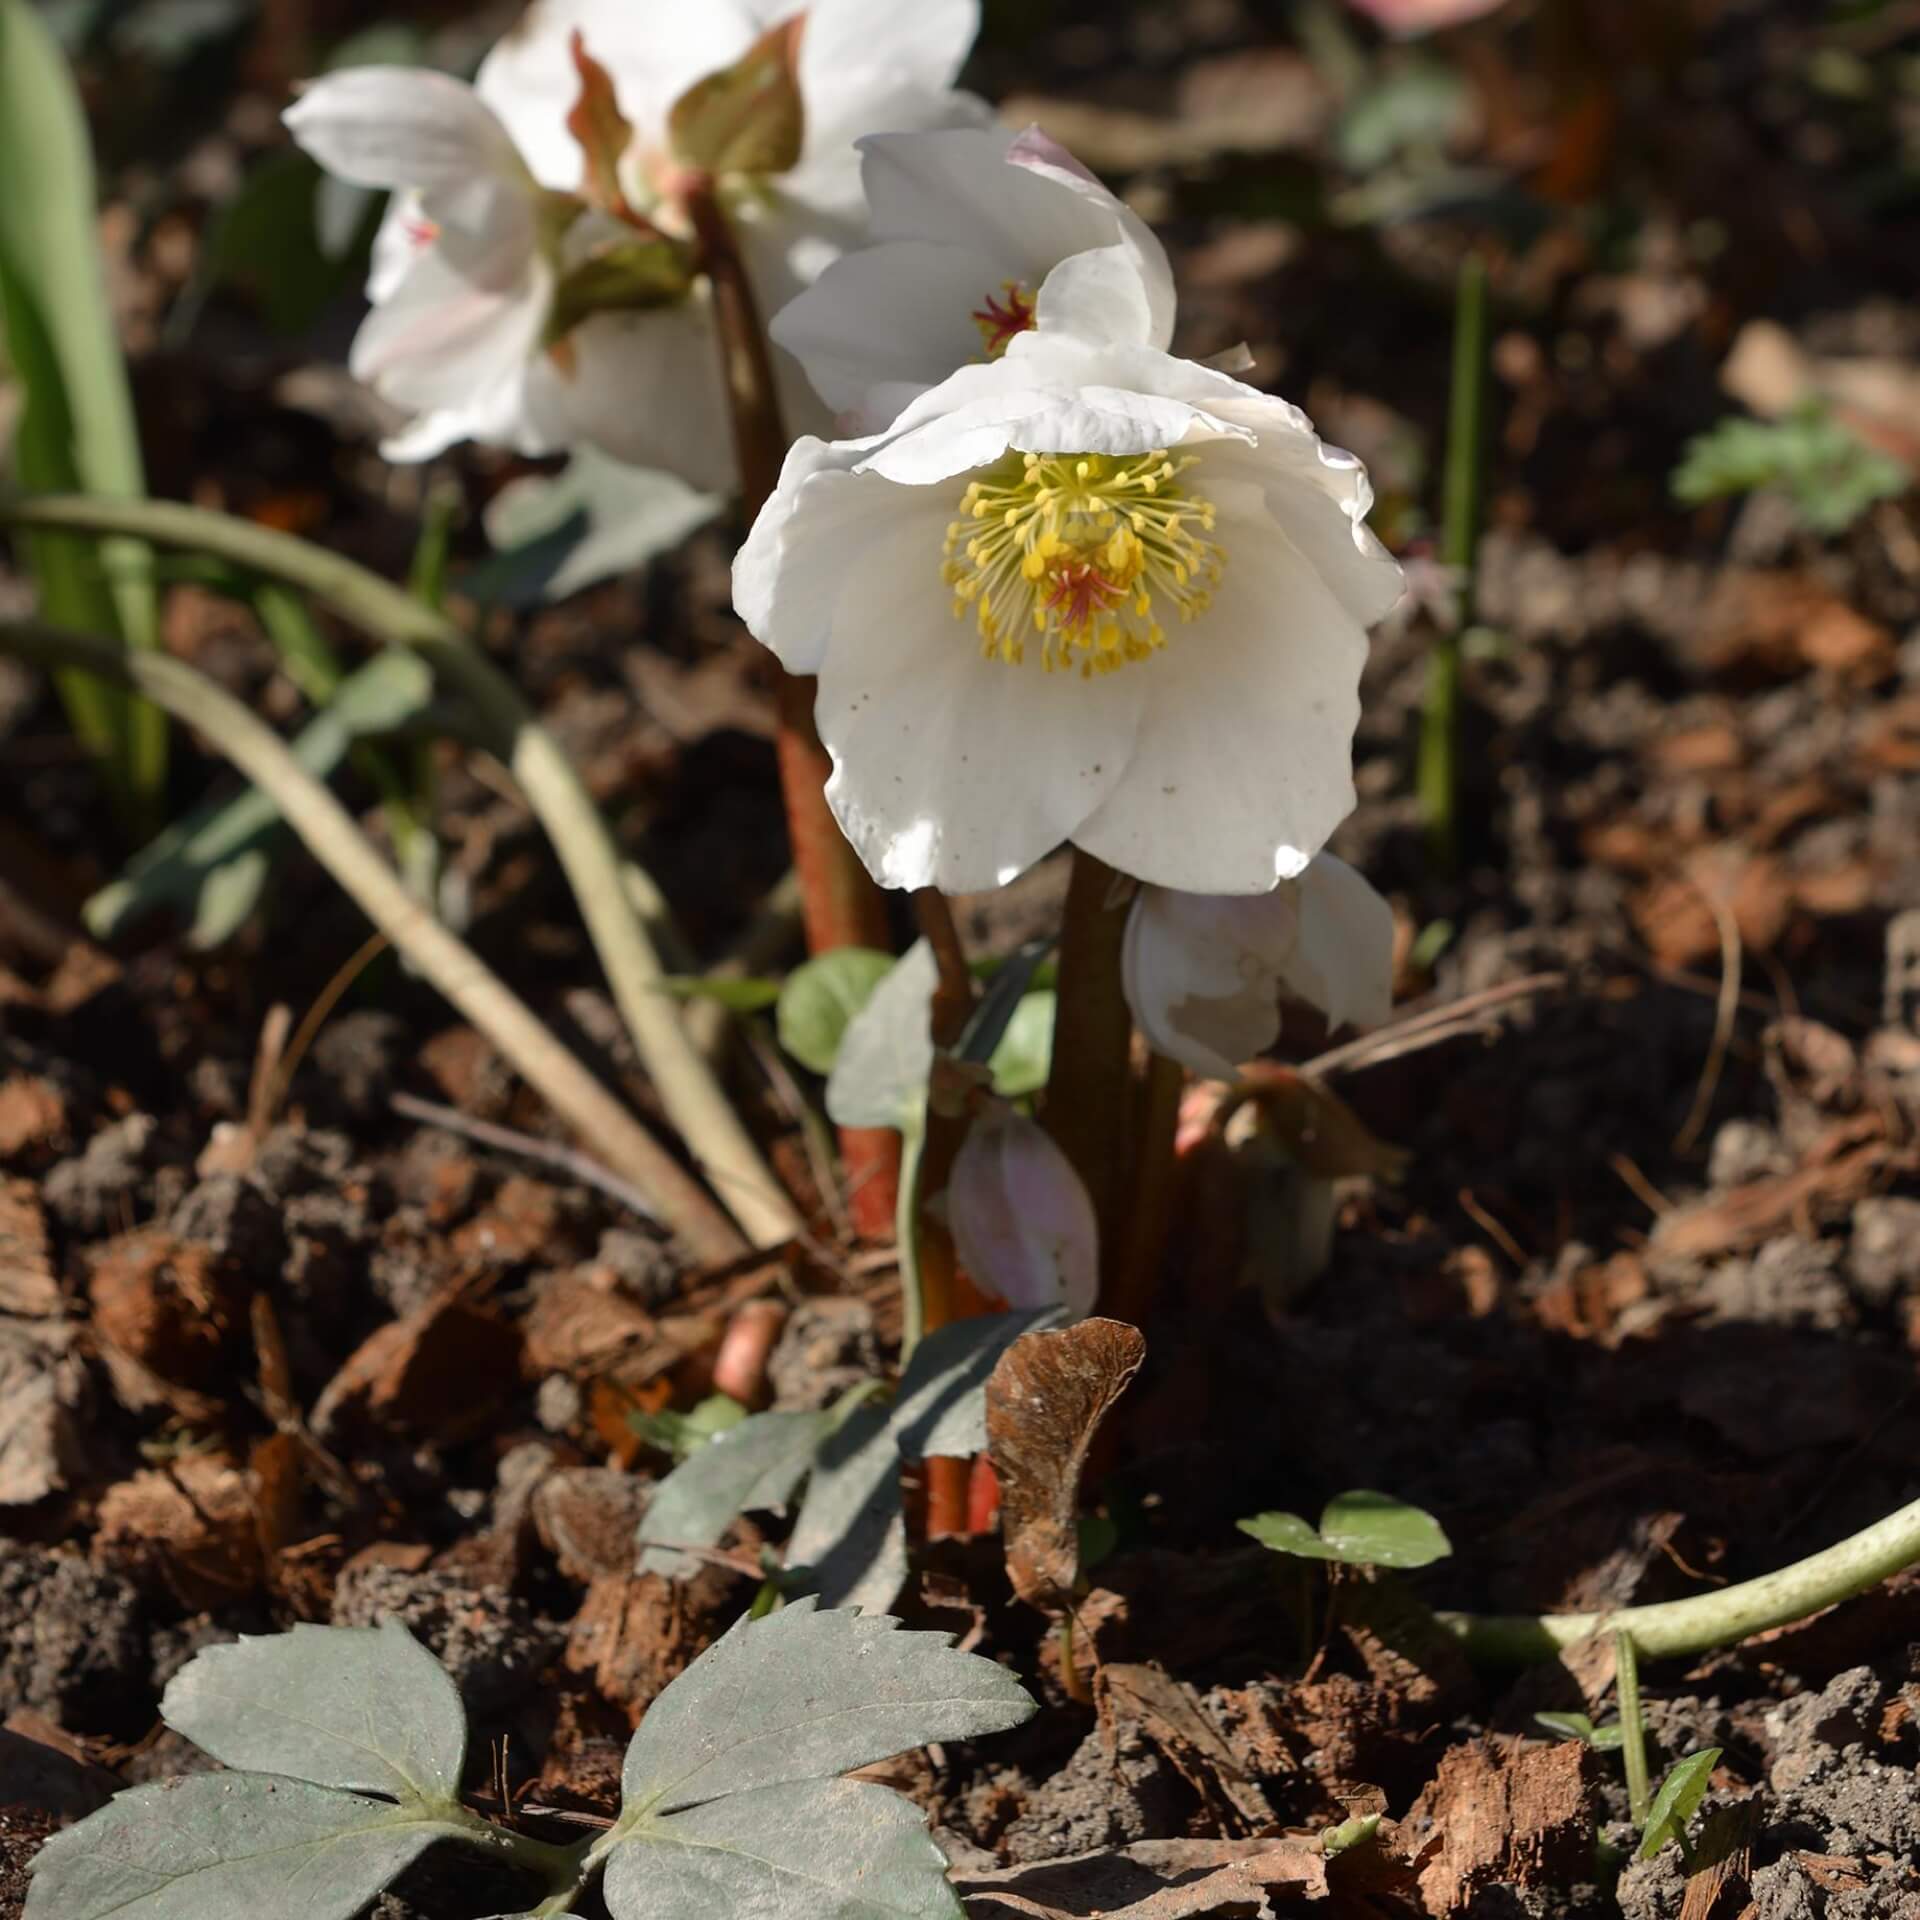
[
  {"x": 363, "y": 1708},
  {"x": 737, "y": 995},
  {"x": 1358, "y": 1529},
  {"x": 851, "y": 1530},
  {"x": 1830, "y": 474},
  {"x": 804, "y": 1850},
  {"x": 681, "y": 1434},
  {"x": 804, "y": 1694},
  {"x": 1576, "y": 1726},
  {"x": 1374, "y": 1530},
  {"x": 746, "y": 118},
  {"x": 211, "y": 865},
  {"x": 227, "y": 1846},
  {"x": 79, "y": 430},
  {"x": 941, "y": 1409},
  {"x": 885, "y": 1057},
  {"x": 754, "y": 1465},
  {"x": 1680, "y": 1794},
  {"x": 821, "y": 999},
  {"x": 1025, "y": 1052},
  {"x": 554, "y": 535}
]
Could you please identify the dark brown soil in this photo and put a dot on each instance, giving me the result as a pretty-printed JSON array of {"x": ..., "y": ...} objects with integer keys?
[{"x": 1640, "y": 1317}]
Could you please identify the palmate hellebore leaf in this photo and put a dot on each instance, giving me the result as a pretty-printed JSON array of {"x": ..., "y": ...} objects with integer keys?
[
  {"x": 851, "y": 1529},
  {"x": 229, "y": 1846},
  {"x": 803, "y": 1850},
  {"x": 804, "y": 1694},
  {"x": 363, "y": 1708},
  {"x": 730, "y": 1804}
]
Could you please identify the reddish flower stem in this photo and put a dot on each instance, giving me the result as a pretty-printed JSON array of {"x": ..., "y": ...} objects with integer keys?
[
  {"x": 840, "y": 904},
  {"x": 1090, "y": 1103}
]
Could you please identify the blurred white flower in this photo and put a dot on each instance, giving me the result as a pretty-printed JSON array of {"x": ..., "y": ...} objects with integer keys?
[
  {"x": 1022, "y": 1221},
  {"x": 1082, "y": 592},
  {"x": 1204, "y": 972},
  {"x": 497, "y": 202},
  {"x": 977, "y": 235}
]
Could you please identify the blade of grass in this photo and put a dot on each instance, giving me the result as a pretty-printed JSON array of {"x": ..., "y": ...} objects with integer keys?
[
  {"x": 79, "y": 428},
  {"x": 688, "y": 1089},
  {"x": 452, "y": 967}
]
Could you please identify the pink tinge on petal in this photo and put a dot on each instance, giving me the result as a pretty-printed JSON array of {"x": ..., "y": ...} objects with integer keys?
[{"x": 1033, "y": 148}]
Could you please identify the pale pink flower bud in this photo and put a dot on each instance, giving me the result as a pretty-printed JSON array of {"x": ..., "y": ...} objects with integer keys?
[{"x": 1021, "y": 1218}]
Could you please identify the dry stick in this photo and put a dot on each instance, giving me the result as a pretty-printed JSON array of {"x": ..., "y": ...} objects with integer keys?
[
  {"x": 840, "y": 904},
  {"x": 1726, "y": 1011},
  {"x": 688, "y": 1090},
  {"x": 1089, "y": 1084},
  {"x": 329, "y": 832}
]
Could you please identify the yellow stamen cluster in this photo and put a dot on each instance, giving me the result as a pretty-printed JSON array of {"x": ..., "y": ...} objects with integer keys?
[{"x": 1088, "y": 552}]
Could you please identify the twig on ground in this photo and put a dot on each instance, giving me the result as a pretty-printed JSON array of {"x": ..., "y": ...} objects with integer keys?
[{"x": 1726, "y": 1012}]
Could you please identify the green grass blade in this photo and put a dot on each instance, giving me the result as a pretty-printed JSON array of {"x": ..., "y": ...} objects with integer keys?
[{"x": 80, "y": 426}]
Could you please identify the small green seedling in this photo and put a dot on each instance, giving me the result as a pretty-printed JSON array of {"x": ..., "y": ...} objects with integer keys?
[
  {"x": 1673, "y": 1806},
  {"x": 1357, "y": 1529},
  {"x": 683, "y": 1434},
  {"x": 1829, "y": 473},
  {"x": 347, "y": 1746},
  {"x": 1357, "y": 1832},
  {"x": 1576, "y": 1726}
]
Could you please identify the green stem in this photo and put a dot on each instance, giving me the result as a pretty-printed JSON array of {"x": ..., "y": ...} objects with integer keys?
[
  {"x": 564, "y": 1869},
  {"x": 1464, "y": 486},
  {"x": 1633, "y": 1729},
  {"x": 688, "y": 1088},
  {"x": 451, "y": 966},
  {"x": 906, "y": 1226},
  {"x": 1673, "y": 1628}
]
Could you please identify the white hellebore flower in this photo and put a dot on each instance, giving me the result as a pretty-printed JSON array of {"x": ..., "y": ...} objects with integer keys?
[
  {"x": 1204, "y": 973},
  {"x": 487, "y": 218},
  {"x": 1083, "y": 592},
  {"x": 462, "y": 280},
  {"x": 1022, "y": 1221},
  {"x": 978, "y": 234}
]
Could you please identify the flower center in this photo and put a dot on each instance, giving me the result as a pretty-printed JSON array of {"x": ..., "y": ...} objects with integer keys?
[
  {"x": 999, "y": 320},
  {"x": 1089, "y": 551}
]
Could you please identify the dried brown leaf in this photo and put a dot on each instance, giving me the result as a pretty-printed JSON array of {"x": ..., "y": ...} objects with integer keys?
[{"x": 1045, "y": 1401}]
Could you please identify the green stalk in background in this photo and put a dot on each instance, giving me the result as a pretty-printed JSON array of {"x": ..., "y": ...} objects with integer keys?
[
  {"x": 77, "y": 431},
  {"x": 1463, "y": 491}
]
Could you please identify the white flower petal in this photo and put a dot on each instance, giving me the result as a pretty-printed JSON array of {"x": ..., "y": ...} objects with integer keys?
[
  {"x": 1204, "y": 972},
  {"x": 653, "y": 53},
  {"x": 1100, "y": 295},
  {"x": 402, "y": 127},
  {"x": 1022, "y": 1221},
  {"x": 446, "y": 336},
  {"x": 899, "y": 312},
  {"x": 1243, "y": 765},
  {"x": 856, "y": 53},
  {"x": 644, "y": 387},
  {"x": 1342, "y": 962},
  {"x": 951, "y": 770},
  {"x": 402, "y": 236}
]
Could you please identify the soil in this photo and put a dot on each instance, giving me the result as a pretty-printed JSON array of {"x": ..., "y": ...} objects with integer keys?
[{"x": 1639, "y": 1316}]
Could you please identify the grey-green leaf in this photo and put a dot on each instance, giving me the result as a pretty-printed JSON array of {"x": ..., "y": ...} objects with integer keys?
[
  {"x": 804, "y": 1694},
  {"x": 804, "y": 1850},
  {"x": 227, "y": 1846},
  {"x": 1374, "y": 1530},
  {"x": 885, "y": 1057},
  {"x": 822, "y": 997},
  {"x": 365, "y": 1708},
  {"x": 754, "y": 1465},
  {"x": 1680, "y": 1794},
  {"x": 851, "y": 1528},
  {"x": 1577, "y": 1726},
  {"x": 941, "y": 1409}
]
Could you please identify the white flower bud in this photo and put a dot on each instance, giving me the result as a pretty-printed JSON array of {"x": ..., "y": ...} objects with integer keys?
[{"x": 1022, "y": 1221}]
